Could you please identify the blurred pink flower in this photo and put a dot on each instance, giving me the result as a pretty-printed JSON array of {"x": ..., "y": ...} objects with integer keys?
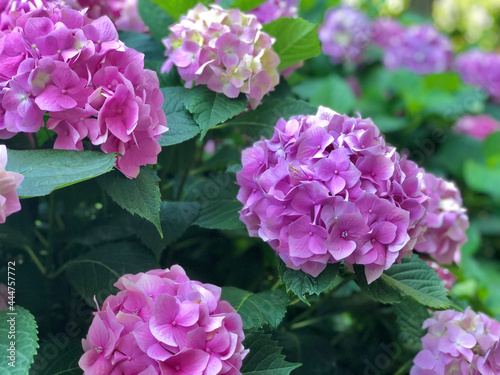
[{"x": 479, "y": 127}]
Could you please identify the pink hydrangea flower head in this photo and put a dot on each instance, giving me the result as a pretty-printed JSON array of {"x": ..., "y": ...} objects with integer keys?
[
  {"x": 481, "y": 69},
  {"x": 3, "y": 297},
  {"x": 459, "y": 343},
  {"x": 326, "y": 188},
  {"x": 61, "y": 63},
  {"x": 225, "y": 50},
  {"x": 345, "y": 34},
  {"x": 162, "y": 322},
  {"x": 478, "y": 127},
  {"x": 387, "y": 32},
  {"x": 449, "y": 279},
  {"x": 9, "y": 182},
  {"x": 445, "y": 223},
  {"x": 421, "y": 49}
]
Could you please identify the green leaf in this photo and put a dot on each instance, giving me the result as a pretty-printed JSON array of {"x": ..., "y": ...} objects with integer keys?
[
  {"x": 48, "y": 170},
  {"x": 455, "y": 150},
  {"x": 388, "y": 124},
  {"x": 334, "y": 93},
  {"x": 302, "y": 283},
  {"x": 410, "y": 318},
  {"x": 181, "y": 125},
  {"x": 412, "y": 278},
  {"x": 481, "y": 178},
  {"x": 220, "y": 214},
  {"x": 211, "y": 108},
  {"x": 243, "y": 5},
  {"x": 139, "y": 195},
  {"x": 267, "y": 307},
  {"x": 17, "y": 327},
  {"x": 177, "y": 8},
  {"x": 296, "y": 40},
  {"x": 265, "y": 356},
  {"x": 490, "y": 147},
  {"x": 95, "y": 272},
  {"x": 65, "y": 363},
  {"x": 175, "y": 218},
  {"x": 261, "y": 121},
  {"x": 156, "y": 18},
  {"x": 143, "y": 43}
]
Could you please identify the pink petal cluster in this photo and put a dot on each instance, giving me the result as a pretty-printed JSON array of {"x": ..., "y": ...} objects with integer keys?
[
  {"x": 387, "y": 32},
  {"x": 161, "y": 322},
  {"x": 345, "y": 34},
  {"x": 59, "y": 62},
  {"x": 449, "y": 279},
  {"x": 478, "y": 127},
  {"x": 481, "y": 69},
  {"x": 225, "y": 50},
  {"x": 420, "y": 49},
  {"x": 327, "y": 188},
  {"x": 445, "y": 223},
  {"x": 125, "y": 13},
  {"x": 3, "y": 297},
  {"x": 271, "y": 10},
  {"x": 459, "y": 343},
  {"x": 9, "y": 182}
]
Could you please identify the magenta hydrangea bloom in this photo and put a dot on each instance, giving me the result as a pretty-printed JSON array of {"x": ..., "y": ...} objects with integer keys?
[
  {"x": 61, "y": 63},
  {"x": 449, "y": 279},
  {"x": 125, "y": 13},
  {"x": 345, "y": 34},
  {"x": 271, "y": 10},
  {"x": 327, "y": 188},
  {"x": 225, "y": 50},
  {"x": 387, "y": 32},
  {"x": 445, "y": 223},
  {"x": 3, "y": 297},
  {"x": 459, "y": 343},
  {"x": 421, "y": 49},
  {"x": 481, "y": 69},
  {"x": 478, "y": 127},
  {"x": 161, "y": 322},
  {"x": 9, "y": 182}
]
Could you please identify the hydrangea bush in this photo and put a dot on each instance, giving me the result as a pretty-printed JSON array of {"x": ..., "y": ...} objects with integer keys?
[{"x": 330, "y": 174}]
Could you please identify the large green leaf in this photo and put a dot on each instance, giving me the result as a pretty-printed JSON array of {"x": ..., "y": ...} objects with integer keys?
[
  {"x": 211, "y": 108},
  {"x": 175, "y": 218},
  {"x": 155, "y": 18},
  {"x": 412, "y": 278},
  {"x": 181, "y": 125},
  {"x": 410, "y": 318},
  {"x": 482, "y": 178},
  {"x": 48, "y": 170},
  {"x": 143, "y": 43},
  {"x": 265, "y": 356},
  {"x": 176, "y": 8},
  {"x": 267, "y": 307},
  {"x": 94, "y": 273},
  {"x": 296, "y": 40},
  {"x": 139, "y": 196},
  {"x": 243, "y": 5},
  {"x": 17, "y": 327},
  {"x": 303, "y": 284},
  {"x": 261, "y": 121},
  {"x": 58, "y": 356},
  {"x": 220, "y": 214},
  {"x": 334, "y": 93}
]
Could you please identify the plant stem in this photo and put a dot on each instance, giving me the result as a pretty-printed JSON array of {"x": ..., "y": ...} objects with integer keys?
[
  {"x": 404, "y": 369},
  {"x": 35, "y": 259}
]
